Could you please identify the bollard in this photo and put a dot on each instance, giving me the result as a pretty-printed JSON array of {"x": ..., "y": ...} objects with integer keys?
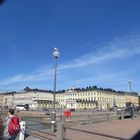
[
  {"x": 63, "y": 119},
  {"x": 108, "y": 116},
  {"x": 60, "y": 135},
  {"x": 90, "y": 119},
  {"x": 22, "y": 130},
  {"x": 53, "y": 121}
]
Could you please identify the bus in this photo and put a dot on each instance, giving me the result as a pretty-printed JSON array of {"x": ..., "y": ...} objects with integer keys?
[{"x": 22, "y": 107}]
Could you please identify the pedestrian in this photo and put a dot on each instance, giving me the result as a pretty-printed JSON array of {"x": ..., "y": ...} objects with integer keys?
[
  {"x": 12, "y": 126},
  {"x": 132, "y": 110}
]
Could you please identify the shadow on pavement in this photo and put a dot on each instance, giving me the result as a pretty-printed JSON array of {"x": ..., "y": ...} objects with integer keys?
[
  {"x": 26, "y": 135},
  {"x": 137, "y": 136}
]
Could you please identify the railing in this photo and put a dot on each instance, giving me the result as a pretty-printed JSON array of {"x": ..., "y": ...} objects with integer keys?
[
  {"x": 62, "y": 127},
  {"x": 61, "y": 133},
  {"x": 67, "y": 124},
  {"x": 64, "y": 123},
  {"x": 90, "y": 118}
]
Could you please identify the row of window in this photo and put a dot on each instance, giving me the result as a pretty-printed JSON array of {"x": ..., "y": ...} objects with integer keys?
[
  {"x": 87, "y": 94},
  {"x": 93, "y": 99}
]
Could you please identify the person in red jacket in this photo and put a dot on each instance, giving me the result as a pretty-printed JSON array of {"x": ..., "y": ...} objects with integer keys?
[{"x": 6, "y": 135}]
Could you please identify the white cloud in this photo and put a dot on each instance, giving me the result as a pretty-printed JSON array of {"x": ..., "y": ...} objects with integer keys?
[
  {"x": 36, "y": 76},
  {"x": 117, "y": 49}
]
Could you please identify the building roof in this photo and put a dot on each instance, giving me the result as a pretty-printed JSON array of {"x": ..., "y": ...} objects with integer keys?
[{"x": 27, "y": 89}]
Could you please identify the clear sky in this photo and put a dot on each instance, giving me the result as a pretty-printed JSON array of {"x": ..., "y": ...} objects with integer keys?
[{"x": 99, "y": 43}]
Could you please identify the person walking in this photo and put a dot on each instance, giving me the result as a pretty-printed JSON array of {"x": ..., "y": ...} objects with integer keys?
[
  {"x": 132, "y": 110},
  {"x": 12, "y": 126}
]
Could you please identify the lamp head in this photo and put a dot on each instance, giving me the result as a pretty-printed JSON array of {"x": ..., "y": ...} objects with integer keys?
[{"x": 56, "y": 53}]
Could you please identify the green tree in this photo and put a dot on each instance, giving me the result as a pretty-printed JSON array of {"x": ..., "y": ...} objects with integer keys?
[{"x": 139, "y": 100}]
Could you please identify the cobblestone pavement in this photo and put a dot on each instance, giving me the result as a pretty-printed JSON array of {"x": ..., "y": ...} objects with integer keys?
[
  {"x": 117, "y": 129},
  {"x": 111, "y": 130}
]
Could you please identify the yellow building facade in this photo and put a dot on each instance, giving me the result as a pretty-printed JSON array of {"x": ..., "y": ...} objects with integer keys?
[
  {"x": 76, "y": 98},
  {"x": 131, "y": 98},
  {"x": 92, "y": 98}
]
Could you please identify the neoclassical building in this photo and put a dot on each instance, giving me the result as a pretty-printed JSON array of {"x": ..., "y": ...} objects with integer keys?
[
  {"x": 35, "y": 98},
  {"x": 85, "y": 98},
  {"x": 90, "y": 98},
  {"x": 6, "y": 100}
]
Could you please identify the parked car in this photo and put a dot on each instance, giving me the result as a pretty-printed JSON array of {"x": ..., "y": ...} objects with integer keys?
[
  {"x": 72, "y": 110},
  {"x": 120, "y": 109},
  {"x": 47, "y": 111},
  {"x": 126, "y": 111}
]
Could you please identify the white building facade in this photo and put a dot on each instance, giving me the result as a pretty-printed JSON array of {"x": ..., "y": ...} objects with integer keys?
[
  {"x": 36, "y": 99},
  {"x": 88, "y": 98}
]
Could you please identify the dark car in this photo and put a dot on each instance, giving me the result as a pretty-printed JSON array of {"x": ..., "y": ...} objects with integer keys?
[
  {"x": 126, "y": 112},
  {"x": 72, "y": 110}
]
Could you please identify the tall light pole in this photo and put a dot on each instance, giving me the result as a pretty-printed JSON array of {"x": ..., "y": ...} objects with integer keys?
[
  {"x": 129, "y": 82},
  {"x": 56, "y": 56},
  {"x": 53, "y": 114}
]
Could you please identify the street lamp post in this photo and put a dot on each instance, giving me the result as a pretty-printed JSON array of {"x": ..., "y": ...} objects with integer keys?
[
  {"x": 53, "y": 114},
  {"x": 129, "y": 82},
  {"x": 56, "y": 55}
]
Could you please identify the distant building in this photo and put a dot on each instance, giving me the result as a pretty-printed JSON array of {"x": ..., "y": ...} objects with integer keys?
[
  {"x": 85, "y": 98},
  {"x": 35, "y": 98},
  {"x": 6, "y": 100},
  {"x": 90, "y": 98},
  {"x": 131, "y": 98}
]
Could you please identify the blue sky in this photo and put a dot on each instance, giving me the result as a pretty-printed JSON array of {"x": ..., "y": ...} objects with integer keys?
[{"x": 99, "y": 43}]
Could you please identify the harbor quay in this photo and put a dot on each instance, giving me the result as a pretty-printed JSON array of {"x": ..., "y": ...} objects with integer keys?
[
  {"x": 124, "y": 129},
  {"x": 114, "y": 130},
  {"x": 87, "y": 125}
]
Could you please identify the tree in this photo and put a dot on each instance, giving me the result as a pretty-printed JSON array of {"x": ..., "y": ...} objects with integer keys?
[
  {"x": 94, "y": 87},
  {"x": 139, "y": 100},
  {"x": 27, "y": 89}
]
